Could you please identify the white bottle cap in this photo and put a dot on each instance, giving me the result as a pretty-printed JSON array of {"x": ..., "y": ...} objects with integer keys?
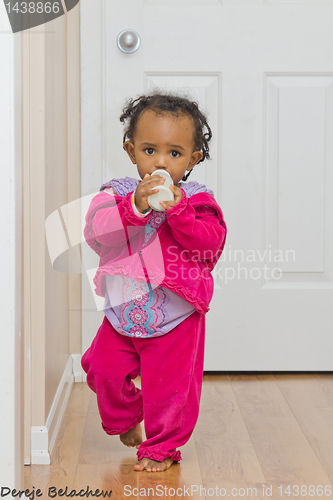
[{"x": 166, "y": 175}]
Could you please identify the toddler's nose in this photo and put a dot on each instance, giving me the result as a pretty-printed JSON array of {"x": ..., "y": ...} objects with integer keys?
[{"x": 161, "y": 162}]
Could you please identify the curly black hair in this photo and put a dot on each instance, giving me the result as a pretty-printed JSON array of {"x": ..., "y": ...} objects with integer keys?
[{"x": 168, "y": 103}]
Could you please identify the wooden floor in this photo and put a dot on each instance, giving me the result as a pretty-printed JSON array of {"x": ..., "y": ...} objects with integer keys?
[{"x": 271, "y": 431}]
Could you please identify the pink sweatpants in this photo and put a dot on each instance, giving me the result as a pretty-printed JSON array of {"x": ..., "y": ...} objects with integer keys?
[{"x": 171, "y": 368}]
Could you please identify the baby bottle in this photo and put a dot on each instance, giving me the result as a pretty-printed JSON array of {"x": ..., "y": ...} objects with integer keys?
[{"x": 163, "y": 192}]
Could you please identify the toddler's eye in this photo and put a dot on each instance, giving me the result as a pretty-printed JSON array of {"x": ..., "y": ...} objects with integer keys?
[
  {"x": 149, "y": 151},
  {"x": 175, "y": 155}
]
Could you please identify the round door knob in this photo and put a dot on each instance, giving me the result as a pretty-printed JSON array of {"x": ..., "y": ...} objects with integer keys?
[{"x": 128, "y": 41}]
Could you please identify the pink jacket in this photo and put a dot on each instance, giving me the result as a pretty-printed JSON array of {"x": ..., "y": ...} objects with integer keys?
[{"x": 180, "y": 255}]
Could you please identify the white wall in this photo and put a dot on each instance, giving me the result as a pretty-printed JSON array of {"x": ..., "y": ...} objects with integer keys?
[
  {"x": 10, "y": 256},
  {"x": 51, "y": 170}
]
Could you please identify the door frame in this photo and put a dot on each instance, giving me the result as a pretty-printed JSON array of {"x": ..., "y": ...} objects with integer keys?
[{"x": 11, "y": 388}]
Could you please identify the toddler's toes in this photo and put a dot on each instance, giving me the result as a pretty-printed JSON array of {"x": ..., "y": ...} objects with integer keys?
[
  {"x": 141, "y": 465},
  {"x": 153, "y": 465}
]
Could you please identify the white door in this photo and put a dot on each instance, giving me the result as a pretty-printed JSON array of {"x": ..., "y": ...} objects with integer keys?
[{"x": 263, "y": 72}]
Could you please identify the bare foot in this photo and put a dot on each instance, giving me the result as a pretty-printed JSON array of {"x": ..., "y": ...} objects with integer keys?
[
  {"x": 153, "y": 465},
  {"x": 133, "y": 437}
]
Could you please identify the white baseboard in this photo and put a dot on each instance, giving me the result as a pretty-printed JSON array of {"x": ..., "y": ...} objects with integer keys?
[
  {"x": 77, "y": 368},
  {"x": 43, "y": 438},
  {"x": 40, "y": 445}
]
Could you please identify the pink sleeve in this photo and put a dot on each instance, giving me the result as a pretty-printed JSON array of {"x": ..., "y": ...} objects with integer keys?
[
  {"x": 114, "y": 225},
  {"x": 199, "y": 230}
]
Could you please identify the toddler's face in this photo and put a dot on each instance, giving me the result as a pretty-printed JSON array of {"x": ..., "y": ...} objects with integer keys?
[{"x": 163, "y": 142}]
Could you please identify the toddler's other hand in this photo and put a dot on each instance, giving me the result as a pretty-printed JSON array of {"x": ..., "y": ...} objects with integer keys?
[{"x": 178, "y": 195}]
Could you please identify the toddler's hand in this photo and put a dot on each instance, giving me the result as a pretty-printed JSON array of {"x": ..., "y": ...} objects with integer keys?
[
  {"x": 145, "y": 189},
  {"x": 178, "y": 195}
]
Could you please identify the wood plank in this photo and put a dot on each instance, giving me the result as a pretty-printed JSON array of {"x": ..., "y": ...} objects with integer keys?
[
  {"x": 112, "y": 476},
  {"x": 67, "y": 448},
  {"x": 323, "y": 398},
  {"x": 282, "y": 448},
  {"x": 44, "y": 477},
  {"x": 312, "y": 407},
  {"x": 223, "y": 443}
]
